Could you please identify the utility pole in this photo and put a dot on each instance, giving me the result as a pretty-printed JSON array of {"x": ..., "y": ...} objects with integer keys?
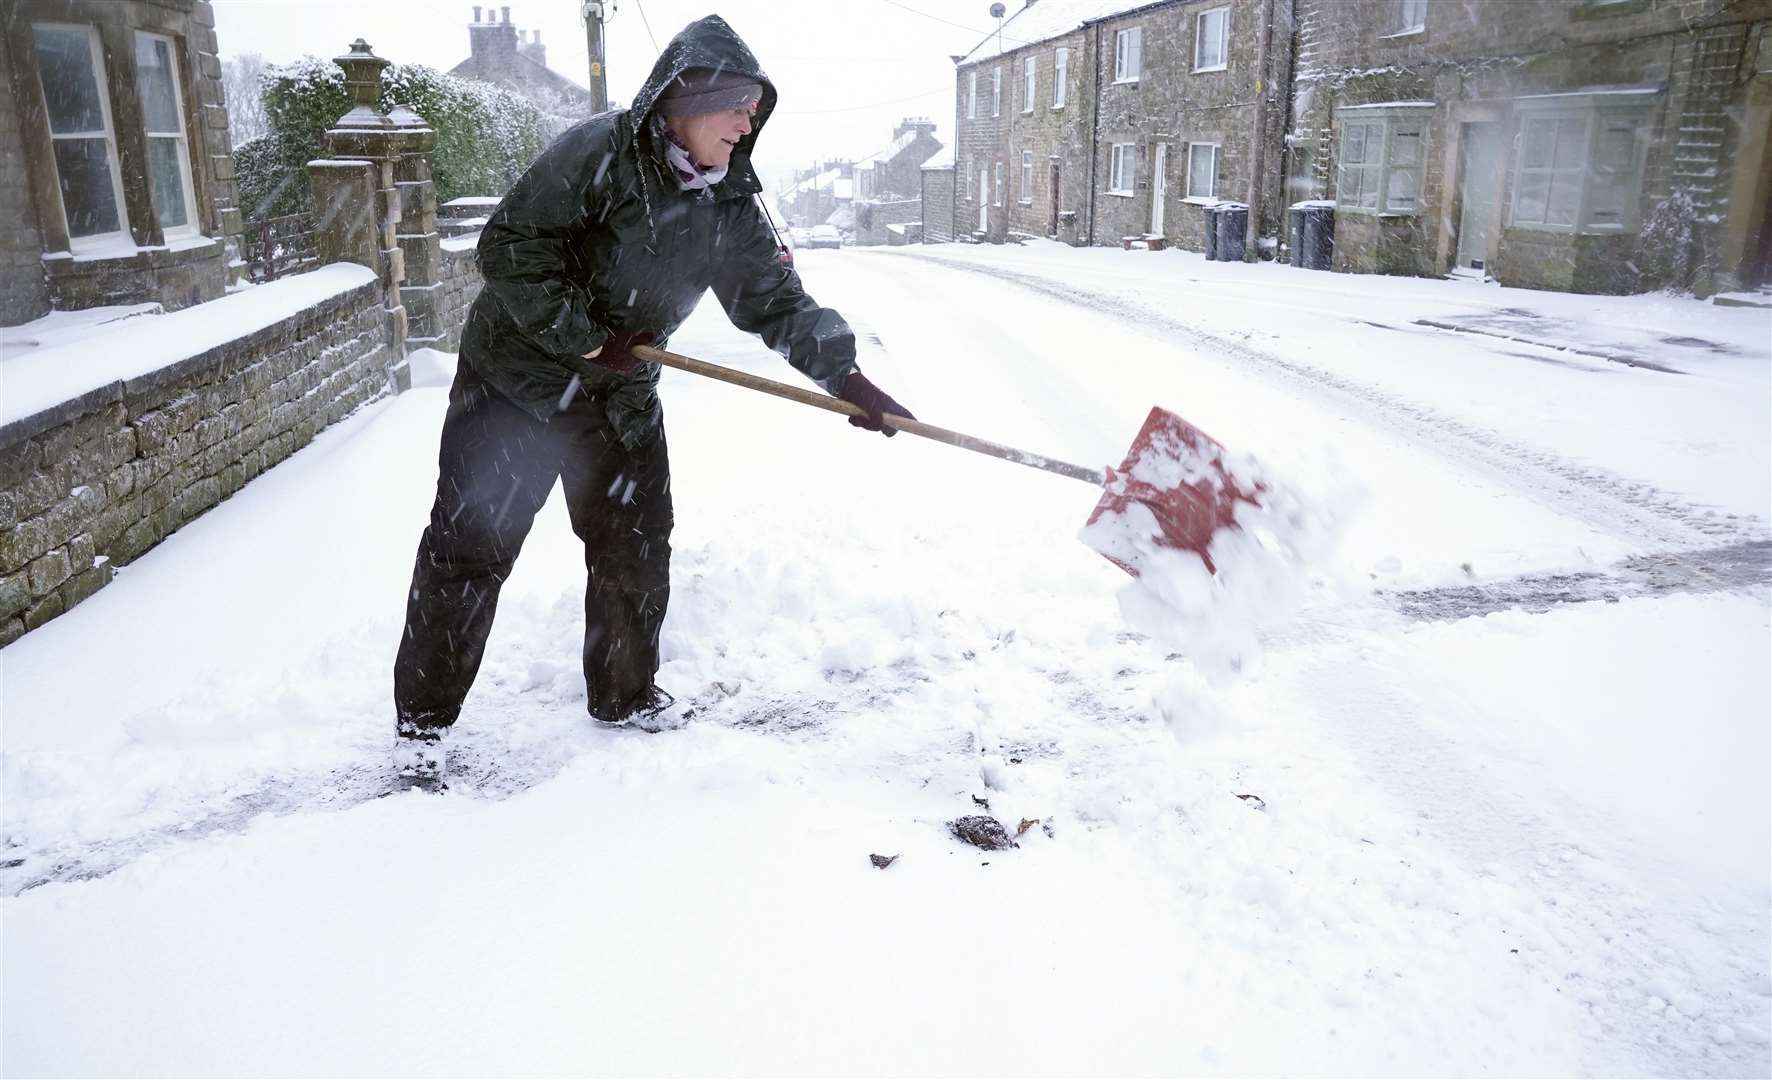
[{"x": 592, "y": 12}]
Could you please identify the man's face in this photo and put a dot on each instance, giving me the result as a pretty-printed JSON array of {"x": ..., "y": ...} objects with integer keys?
[{"x": 711, "y": 136}]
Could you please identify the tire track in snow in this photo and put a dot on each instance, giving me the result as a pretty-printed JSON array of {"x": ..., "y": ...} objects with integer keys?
[{"x": 1598, "y": 497}]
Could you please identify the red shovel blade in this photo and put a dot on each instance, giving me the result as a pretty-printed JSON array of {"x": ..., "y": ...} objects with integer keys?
[{"x": 1176, "y": 472}]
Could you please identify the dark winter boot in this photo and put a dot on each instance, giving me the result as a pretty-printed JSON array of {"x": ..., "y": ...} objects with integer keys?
[
  {"x": 655, "y": 711},
  {"x": 420, "y": 765}
]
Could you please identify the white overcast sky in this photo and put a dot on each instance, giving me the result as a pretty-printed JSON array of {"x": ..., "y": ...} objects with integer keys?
[{"x": 847, "y": 70}]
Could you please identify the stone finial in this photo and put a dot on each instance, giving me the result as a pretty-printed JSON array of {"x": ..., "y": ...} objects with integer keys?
[{"x": 363, "y": 82}]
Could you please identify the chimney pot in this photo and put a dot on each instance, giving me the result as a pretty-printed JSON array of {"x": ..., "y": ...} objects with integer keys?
[
  {"x": 507, "y": 13},
  {"x": 476, "y": 12},
  {"x": 536, "y": 36}
]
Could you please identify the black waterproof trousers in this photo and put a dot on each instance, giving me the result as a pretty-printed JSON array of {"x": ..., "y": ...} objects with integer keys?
[{"x": 496, "y": 467}]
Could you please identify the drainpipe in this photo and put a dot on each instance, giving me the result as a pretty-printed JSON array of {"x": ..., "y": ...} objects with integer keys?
[
  {"x": 1094, "y": 123},
  {"x": 1258, "y": 147}
]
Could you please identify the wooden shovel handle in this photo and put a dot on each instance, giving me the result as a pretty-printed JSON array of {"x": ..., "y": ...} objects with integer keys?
[{"x": 838, "y": 405}]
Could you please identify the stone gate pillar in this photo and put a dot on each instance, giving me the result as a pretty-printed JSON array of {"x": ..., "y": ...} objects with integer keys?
[
  {"x": 356, "y": 201},
  {"x": 417, "y": 232}
]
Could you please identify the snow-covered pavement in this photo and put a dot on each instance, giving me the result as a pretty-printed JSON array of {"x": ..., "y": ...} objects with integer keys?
[{"x": 1519, "y": 842}]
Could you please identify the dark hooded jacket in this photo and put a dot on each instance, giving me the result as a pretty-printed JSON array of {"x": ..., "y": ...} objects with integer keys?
[{"x": 597, "y": 238}]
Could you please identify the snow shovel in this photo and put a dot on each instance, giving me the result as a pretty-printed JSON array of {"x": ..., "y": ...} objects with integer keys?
[{"x": 1174, "y": 471}]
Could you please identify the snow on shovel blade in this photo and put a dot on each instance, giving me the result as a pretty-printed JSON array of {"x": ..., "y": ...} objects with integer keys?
[{"x": 1173, "y": 491}]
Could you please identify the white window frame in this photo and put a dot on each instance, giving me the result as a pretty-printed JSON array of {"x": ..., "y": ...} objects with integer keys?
[
  {"x": 191, "y": 227},
  {"x": 1224, "y": 38},
  {"x": 1596, "y": 113},
  {"x": 1027, "y": 177},
  {"x": 1379, "y": 171},
  {"x": 997, "y": 187},
  {"x": 1128, "y": 54},
  {"x": 972, "y": 95},
  {"x": 1213, "y": 150},
  {"x": 1061, "y": 64},
  {"x": 1122, "y": 168},
  {"x": 78, "y": 244},
  {"x": 1408, "y": 17},
  {"x": 997, "y": 91},
  {"x": 969, "y": 177},
  {"x": 1028, "y": 78}
]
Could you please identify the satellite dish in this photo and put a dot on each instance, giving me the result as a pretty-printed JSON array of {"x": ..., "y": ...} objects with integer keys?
[{"x": 997, "y": 11}]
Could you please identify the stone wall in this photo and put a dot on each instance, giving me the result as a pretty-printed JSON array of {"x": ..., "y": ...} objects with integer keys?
[
  {"x": 872, "y": 218},
  {"x": 459, "y": 286},
  {"x": 23, "y": 295},
  {"x": 93, "y": 483}
]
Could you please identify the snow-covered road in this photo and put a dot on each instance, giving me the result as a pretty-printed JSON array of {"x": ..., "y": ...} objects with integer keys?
[{"x": 1520, "y": 843}]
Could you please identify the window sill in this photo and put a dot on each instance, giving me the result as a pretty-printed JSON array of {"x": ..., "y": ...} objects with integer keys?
[
  {"x": 1367, "y": 211},
  {"x": 1125, "y": 82},
  {"x": 1202, "y": 200},
  {"x": 1419, "y": 31},
  {"x": 1058, "y": 107},
  {"x": 1024, "y": 202},
  {"x": 1598, "y": 9},
  {"x": 1029, "y": 111},
  {"x": 1205, "y": 70},
  {"x": 1121, "y": 194},
  {"x": 1570, "y": 230}
]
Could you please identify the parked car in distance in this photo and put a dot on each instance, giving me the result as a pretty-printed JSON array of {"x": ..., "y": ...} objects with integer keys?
[{"x": 824, "y": 236}]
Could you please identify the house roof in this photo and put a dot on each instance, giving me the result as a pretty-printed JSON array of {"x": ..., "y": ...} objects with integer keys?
[
  {"x": 897, "y": 147},
  {"x": 526, "y": 72},
  {"x": 1045, "y": 20}
]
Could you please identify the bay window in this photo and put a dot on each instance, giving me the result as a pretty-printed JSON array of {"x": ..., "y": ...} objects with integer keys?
[
  {"x": 1580, "y": 160},
  {"x": 1382, "y": 156}
]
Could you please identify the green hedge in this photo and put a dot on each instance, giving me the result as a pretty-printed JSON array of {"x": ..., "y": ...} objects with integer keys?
[{"x": 486, "y": 135}]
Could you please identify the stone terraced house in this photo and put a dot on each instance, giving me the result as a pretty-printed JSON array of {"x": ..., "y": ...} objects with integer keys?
[
  {"x": 116, "y": 174},
  {"x": 1587, "y": 145}
]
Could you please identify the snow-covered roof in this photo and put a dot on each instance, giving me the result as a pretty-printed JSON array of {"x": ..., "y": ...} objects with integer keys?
[
  {"x": 843, "y": 189},
  {"x": 943, "y": 159},
  {"x": 813, "y": 183},
  {"x": 1389, "y": 105},
  {"x": 1037, "y": 22},
  {"x": 896, "y": 148}
]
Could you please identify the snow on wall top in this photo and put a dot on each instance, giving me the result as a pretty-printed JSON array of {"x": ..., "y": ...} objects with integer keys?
[
  {"x": 1045, "y": 20},
  {"x": 45, "y": 378}
]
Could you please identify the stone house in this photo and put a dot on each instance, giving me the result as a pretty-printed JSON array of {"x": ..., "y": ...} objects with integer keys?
[
  {"x": 517, "y": 60},
  {"x": 1586, "y": 145},
  {"x": 818, "y": 193},
  {"x": 1093, "y": 122},
  {"x": 116, "y": 174},
  {"x": 937, "y": 198},
  {"x": 889, "y": 183}
]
